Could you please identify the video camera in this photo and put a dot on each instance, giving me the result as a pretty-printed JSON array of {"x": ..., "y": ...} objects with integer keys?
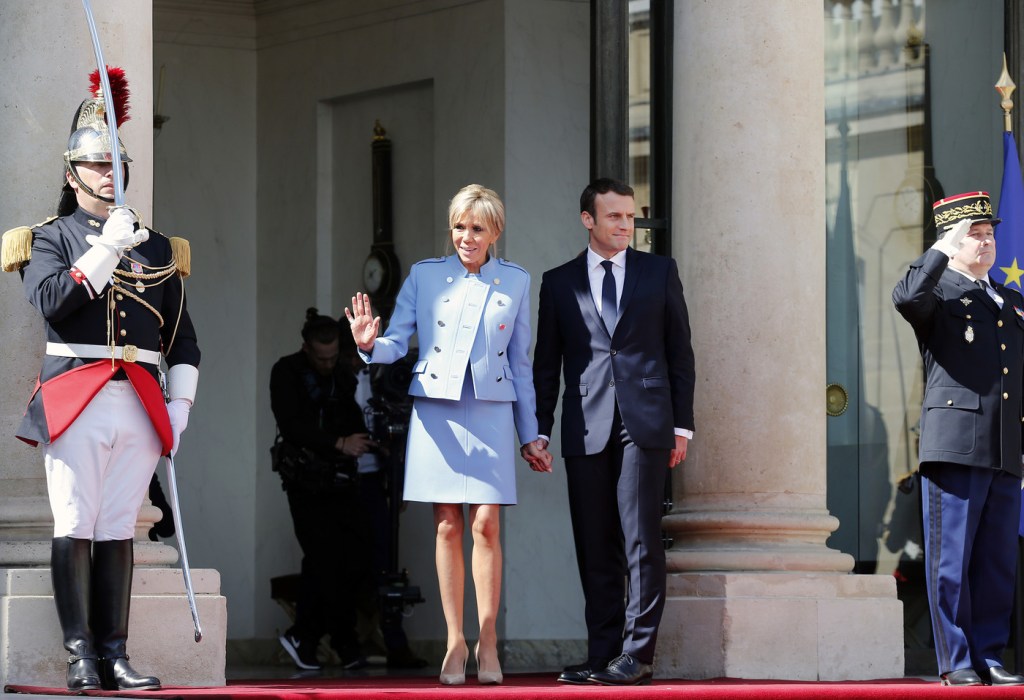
[
  {"x": 387, "y": 418},
  {"x": 389, "y": 409}
]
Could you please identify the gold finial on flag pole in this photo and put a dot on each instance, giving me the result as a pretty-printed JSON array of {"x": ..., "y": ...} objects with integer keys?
[{"x": 1005, "y": 88}]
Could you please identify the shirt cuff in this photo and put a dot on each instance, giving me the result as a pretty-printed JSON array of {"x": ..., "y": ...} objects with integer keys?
[{"x": 683, "y": 432}]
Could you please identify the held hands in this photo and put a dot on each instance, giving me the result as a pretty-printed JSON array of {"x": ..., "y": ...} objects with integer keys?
[
  {"x": 678, "y": 453},
  {"x": 537, "y": 455},
  {"x": 953, "y": 238},
  {"x": 363, "y": 324},
  {"x": 119, "y": 232}
]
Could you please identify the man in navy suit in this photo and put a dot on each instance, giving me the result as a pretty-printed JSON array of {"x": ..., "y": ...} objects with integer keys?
[
  {"x": 614, "y": 322},
  {"x": 970, "y": 331}
]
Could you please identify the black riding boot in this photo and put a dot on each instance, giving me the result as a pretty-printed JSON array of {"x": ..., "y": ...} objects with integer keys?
[
  {"x": 111, "y": 598},
  {"x": 70, "y": 564}
]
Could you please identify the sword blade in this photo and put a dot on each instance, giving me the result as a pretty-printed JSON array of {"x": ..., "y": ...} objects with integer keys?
[
  {"x": 108, "y": 106},
  {"x": 172, "y": 485}
]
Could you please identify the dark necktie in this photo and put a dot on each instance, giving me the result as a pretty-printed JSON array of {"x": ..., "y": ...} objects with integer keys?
[
  {"x": 991, "y": 293},
  {"x": 609, "y": 309}
]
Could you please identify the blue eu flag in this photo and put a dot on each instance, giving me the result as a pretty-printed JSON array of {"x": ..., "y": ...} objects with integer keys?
[
  {"x": 1009, "y": 266},
  {"x": 1010, "y": 233}
]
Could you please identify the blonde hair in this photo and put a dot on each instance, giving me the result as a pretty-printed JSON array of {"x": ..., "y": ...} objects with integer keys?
[{"x": 481, "y": 201}]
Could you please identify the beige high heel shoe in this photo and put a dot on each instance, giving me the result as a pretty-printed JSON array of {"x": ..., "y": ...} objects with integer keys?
[
  {"x": 453, "y": 668},
  {"x": 487, "y": 676}
]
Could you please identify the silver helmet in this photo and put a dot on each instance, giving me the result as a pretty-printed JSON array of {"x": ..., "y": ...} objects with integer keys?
[
  {"x": 90, "y": 137},
  {"x": 90, "y": 141}
]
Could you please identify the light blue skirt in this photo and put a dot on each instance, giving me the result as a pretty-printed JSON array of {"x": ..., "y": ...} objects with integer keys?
[{"x": 461, "y": 451}]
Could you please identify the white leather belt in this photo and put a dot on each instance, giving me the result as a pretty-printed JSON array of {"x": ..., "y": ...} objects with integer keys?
[{"x": 128, "y": 353}]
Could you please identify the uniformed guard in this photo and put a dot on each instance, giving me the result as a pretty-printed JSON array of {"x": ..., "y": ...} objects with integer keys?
[
  {"x": 970, "y": 331},
  {"x": 112, "y": 296}
]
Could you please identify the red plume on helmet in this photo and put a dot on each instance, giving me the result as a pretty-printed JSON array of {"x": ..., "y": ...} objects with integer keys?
[
  {"x": 119, "y": 88},
  {"x": 90, "y": 140}
]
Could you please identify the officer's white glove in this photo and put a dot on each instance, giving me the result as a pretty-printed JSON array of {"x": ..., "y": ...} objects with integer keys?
[
  {"x": 182, "y": 381},
  {"x": 177, "y": 411},
  {"x": 119, "y": 234},
  {"x": 953, "y": 238}
]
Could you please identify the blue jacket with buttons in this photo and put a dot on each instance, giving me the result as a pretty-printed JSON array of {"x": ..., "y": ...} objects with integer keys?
[
  {"x": 972, "y": 413},
  {"x": 466, "y": 324}
]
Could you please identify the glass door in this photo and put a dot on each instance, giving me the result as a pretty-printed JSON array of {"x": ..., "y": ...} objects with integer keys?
[{"x": 910, "y": 116}]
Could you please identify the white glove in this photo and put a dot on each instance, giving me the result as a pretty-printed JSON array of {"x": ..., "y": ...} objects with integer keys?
[
  {"x": 953, "y": 238},
  {"x": 119, "y": 232},
  {"x": 177, "y": 412}
]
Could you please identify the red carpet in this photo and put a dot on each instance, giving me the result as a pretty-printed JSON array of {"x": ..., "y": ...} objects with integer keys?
[{"x": 543, "y": 687}]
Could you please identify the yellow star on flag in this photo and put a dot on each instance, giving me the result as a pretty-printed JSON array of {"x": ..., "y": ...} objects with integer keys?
[{"x": 1013, "y": 274}]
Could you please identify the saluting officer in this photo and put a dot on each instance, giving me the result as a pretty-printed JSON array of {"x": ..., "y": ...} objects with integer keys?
[
  {"x": 970, "y": 331},
  {"x": 111, "y": 294}
]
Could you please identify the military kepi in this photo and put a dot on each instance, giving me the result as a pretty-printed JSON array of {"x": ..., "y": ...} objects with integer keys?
[{"x": 975, "y": 206}]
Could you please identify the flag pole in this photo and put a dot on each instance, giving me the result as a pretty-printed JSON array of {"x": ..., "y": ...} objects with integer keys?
[{"x": 1005, "y": 87}]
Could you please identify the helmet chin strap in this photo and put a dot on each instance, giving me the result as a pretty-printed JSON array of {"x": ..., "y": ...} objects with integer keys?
[{"x": 88, "y": 190}]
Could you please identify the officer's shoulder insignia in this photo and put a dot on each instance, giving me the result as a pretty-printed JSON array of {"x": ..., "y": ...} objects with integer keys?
[
  {"x": 182, "y": 253},
  {"x": 16, "y": 250}
]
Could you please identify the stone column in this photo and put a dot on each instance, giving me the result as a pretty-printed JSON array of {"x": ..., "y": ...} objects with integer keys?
[
  {"x": 46, "y": 56},
  {"x": 753, "y": 590}
]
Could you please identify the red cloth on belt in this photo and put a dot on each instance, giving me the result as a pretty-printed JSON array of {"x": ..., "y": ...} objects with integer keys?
[{"x": 66, "y": 396}]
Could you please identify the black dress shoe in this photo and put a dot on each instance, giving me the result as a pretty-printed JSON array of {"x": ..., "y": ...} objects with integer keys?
[
  {"x": 624, "y": 670},
  {"x": 1000, "y": 676},
  {"x": 579, "y": 674},
  {"x": 961, "y": 676}
]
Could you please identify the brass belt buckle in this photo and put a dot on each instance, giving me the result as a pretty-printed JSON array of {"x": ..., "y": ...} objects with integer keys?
[{"x": 129, "y": 353}]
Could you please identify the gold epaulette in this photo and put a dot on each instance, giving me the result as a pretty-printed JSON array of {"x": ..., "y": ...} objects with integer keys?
[
  {"x": 17, "y": 247},
  {"x": 182, "y": 255}
]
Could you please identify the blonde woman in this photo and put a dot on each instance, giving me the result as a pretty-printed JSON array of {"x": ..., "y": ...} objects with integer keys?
[{"x": 472, "y": 383}]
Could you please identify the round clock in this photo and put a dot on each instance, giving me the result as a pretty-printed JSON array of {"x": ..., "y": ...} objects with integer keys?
[{"x": 376, "y": 272}]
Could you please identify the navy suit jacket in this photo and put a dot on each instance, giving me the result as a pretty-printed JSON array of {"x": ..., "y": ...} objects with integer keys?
[
  {"x": 974, "y": 364},
  {"x": 646, "y": 366}
]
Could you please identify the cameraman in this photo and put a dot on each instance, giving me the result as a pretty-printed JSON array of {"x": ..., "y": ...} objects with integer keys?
[{"x": 322, "y": 435}]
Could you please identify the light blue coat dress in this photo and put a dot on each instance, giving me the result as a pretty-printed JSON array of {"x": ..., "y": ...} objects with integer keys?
[{"x": 472, "y": 382}]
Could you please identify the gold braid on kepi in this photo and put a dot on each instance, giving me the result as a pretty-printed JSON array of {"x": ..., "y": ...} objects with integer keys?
[
  {"x": 975, "y": 206},
  {"x": 16, "y": 251}
]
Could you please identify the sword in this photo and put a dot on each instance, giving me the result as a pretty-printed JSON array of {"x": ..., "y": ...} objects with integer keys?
[
  {"x": 172, "y": 484},
  {"x": 111, "y": 117}
]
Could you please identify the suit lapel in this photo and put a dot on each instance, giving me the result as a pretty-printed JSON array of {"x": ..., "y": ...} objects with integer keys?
[
  {"x": 634, "y": 263},
  {"x": 973, "y": 291},
  {"x": 1002, "y": 291},
  {"x": 584, "y": 298}
]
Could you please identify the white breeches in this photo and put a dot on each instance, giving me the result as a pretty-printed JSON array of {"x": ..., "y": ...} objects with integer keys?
[{"x": 98, "y": 471}]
